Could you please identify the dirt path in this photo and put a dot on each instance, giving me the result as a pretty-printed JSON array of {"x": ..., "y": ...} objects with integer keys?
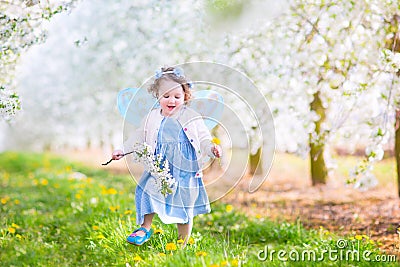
[{"x": 342, "y": 210}]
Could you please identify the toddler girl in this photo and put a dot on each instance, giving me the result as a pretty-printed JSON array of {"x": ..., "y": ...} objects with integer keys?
[{"x": 179, "y": 135}]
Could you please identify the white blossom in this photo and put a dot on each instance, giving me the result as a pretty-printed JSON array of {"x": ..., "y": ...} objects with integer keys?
[
  {"x": 156, "y": 166},
  {"x": 21, "y": 26}
]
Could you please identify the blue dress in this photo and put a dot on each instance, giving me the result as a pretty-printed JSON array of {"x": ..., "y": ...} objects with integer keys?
[{"x": 189, "y": 197}]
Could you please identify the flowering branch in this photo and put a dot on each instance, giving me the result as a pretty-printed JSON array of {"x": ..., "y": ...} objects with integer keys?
[{"x": 156, "y": 166}]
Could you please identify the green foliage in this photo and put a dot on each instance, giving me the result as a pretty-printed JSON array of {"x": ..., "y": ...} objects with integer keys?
[{"x": 53, "y": 214}]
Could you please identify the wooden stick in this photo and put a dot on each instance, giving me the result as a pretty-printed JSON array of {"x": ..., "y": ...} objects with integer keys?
[{"x": 123, "y": 155}]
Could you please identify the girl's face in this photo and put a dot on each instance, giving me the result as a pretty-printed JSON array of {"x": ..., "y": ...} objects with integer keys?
[{"x": 171, "y": 97}]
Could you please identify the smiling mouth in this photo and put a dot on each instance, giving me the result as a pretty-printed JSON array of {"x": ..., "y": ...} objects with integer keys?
[{"x": 170, "y": 107}]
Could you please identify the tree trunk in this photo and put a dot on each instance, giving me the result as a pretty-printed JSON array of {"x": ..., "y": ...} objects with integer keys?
[
  {"x": 394, "y": 45},
  {"x": 397, "y": 148},
  {"x": 255, "y": 162},
  {"x": 319, "y": 172}
]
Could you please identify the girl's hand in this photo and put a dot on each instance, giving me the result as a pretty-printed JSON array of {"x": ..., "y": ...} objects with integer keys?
[
  {"x": 217, "y": 151},
  {"x": 117, "y": 154}
]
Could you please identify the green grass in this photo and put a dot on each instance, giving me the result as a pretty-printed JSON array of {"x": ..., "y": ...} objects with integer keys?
[{"x": 52, "y": 215}]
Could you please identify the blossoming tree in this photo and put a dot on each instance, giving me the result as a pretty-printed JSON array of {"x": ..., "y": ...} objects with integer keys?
[
  {"x": 323, "y": 66},
  {"x": 21, "y": 27},
  {"x": 89, "y": 58},
  {"x": 392, "y": 58}
]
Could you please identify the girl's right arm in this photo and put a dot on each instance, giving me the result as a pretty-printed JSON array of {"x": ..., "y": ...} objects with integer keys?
[{"x": 137, "y": 136}]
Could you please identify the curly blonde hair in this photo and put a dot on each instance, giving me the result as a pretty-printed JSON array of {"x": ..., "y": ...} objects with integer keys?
[{"x": 167, "y": 73}]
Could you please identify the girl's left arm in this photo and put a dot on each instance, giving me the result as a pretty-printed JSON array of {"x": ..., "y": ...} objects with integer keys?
[{"x": 205, "y": 138}]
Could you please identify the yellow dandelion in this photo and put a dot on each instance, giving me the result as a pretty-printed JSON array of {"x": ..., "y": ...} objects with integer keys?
[
  {"x": 44, "y": 182},
  {"x": 78, "y": 196},
  {"x": 216, "y": 141},
  {"x": 68, "y": 168},
  {"x": 358, "y": 237},
  {"x": 213, "y": 265},
  {"x": 170, "y": 246},
  {"x": 258, "y": 216},
  {"x": 180, "y": 241},
  {"x": 35, "y": 182},
  {"x": 4, "y": 201},
  {"x": 191, "y": 241},
  {"x": 107, "y": 247},
  {"x": 162, "y": 254},
  {"x": 114, "y": 208},
  {"x": 201, "y": 253},
  {"x": 95, "y": 227},
  {"x": 18, "y": 236},
  {"x": 101, "y": 236},
  {"x": 15, "y": 225},
  {"x": 234, "y": 262},
  {"x": 229, "y": 208},
  {"x": 17, "y": 202},
  {"x": 112, "y": 191},
  {"x": 159, "y": 231},
  {"x": 224, "y": 263},
  {"x": 11, "y": 230},
  {"x": 209, "y": 223},
  {"x": 137, "y": 258},
  {"x": 128, "y": 212}
]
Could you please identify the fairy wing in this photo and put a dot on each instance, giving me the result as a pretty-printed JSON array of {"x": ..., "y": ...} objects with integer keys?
[
  {"x": 210, "y": 104},
  {"x": 134, "y": 104}
]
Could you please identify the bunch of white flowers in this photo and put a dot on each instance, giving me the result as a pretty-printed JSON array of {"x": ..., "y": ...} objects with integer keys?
[
  {"x": 155, "y": 165},
  {"x": 390, "y": 60}
]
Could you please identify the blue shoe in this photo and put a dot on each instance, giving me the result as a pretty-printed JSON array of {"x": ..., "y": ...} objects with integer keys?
[{"x": 139, "y": 240}]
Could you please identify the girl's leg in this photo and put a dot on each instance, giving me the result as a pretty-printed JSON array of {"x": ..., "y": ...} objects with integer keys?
[
  {"x": 184, "y": 231},
  {"x": 148, "y": 219}
]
